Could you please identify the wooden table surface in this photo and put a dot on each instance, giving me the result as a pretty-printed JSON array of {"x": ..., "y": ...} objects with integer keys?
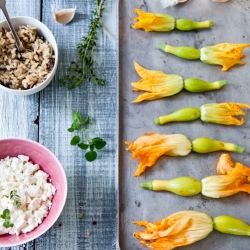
[{"x": 46, "y": 116}]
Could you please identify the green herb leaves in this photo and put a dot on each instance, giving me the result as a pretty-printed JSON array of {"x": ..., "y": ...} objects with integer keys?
[
  {"x": 15, "y": 198},
  {"x": 82, "y": 68},
  {"x": 87, "y": 143},
  {"x": 78, "y": 122},
  {"x": 6, "y": 212},
  {"x": 6, "y": 216}
]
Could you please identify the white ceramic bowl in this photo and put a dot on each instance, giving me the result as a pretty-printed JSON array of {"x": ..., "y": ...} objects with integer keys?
[
  {"x": 49, "y": 164},
  {"x": 42, "y": 30}
]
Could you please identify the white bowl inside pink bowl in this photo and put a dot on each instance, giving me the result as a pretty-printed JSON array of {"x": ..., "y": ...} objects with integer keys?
[{"x": 49, "y": 164}]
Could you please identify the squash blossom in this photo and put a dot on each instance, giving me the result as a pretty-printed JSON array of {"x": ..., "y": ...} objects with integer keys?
[
  {"x": 223, "y": 113},
  {"x": 153, "y": 21},
  {"x": 231, "y": 179},
  {"x": 163, "y": 22},
  {"x": 224, "y": 54},
  {"x": 150, "y": 146},
  {"x": 179, "y": 229},
  {"x": 157, "y": 84},
  {"x": 220, "y": 113}
]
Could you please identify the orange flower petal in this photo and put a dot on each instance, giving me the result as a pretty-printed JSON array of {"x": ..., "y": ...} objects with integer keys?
[
  {"x": 179, "y": 229},
  {"x": 150, "y": 146},
  {"x": 153, "y": 22},
  {"x": 225, "y": 54},
  {"x": 232, "y": 178},
  {"x": 156, "y": 83},
  {"x": 223, "y": 113},
  {"x": 145, "y": 73}
]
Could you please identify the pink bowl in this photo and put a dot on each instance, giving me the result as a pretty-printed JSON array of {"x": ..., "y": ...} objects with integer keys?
[{"x": 49, "y": 164}]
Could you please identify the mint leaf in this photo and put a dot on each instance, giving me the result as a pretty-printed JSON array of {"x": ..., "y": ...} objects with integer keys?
[
  {"x": 99, "y": 143},
  {"x": 6, "y": 217},
  {"x": 76, "y": 124},
  {"x": 76, "y": 115},
  {"x": 83, "y": 146},
  {"x": 75, "y": 140},
  {"x": 6, "y": 224},
  {"x": 92, "y": 144},
  {"x": 91, "y": 147},
  {"x": 6, "y": 212},
  {"x": 91, "y": 156},
  {"x": 87, "y": 121}
]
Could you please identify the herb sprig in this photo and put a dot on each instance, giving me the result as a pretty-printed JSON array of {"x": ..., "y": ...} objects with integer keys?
[
  {"x": 94, "y": 143},
  {"x": 6, "y": 216},
  {"x": 16, "y": 198},
  {"x": 82, "y": 68}
]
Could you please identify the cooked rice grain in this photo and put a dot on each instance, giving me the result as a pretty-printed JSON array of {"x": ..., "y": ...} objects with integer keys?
[{"x": 24, "y": 70}]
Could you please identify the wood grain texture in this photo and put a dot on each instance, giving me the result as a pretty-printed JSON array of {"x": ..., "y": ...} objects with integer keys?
[
  {"x": 18, "y": 113},
  {"x": 92, "y": 187}
]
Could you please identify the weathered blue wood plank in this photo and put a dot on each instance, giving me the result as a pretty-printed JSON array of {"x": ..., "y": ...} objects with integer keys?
[
  {"x": 17, "y": 113},
  {"x": 92, "y": 186}
]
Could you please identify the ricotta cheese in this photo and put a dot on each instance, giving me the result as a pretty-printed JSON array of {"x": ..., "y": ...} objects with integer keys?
[{"x": 34, "y": 193}]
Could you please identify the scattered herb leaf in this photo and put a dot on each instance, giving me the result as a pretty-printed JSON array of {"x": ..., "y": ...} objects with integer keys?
[
  {"x": 83, "y": 146},
  {"x": 82, "y": 68},
  {"x": 91, "y": 156},
  {"x": 99, "y": 143},
  {"x": 75, "y": 140},
  {"x": 87, "y": 143},
  {"x": 6, "y": 216},
  {"x": 15, "y": 198}
]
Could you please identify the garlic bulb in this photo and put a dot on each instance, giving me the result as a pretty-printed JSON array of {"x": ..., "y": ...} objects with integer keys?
[
  {"x": 167, "y": 3},
  {"x": 65, "y": 15}
]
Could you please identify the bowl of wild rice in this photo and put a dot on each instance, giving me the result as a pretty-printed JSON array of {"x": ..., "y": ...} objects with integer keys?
[{"x": 27, "y": 72}]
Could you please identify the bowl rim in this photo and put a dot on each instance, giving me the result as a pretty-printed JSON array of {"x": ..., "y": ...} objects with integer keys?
[
  {"x": 54, "y": 219},
  {"x": 43, "y": 84}
]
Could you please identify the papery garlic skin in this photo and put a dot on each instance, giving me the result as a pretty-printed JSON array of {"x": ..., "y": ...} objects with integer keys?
[
  {"x": 168, "y": 3},
  {"x": 65, "y": 15}
]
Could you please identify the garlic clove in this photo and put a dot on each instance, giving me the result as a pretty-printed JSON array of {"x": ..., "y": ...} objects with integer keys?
[
  {"x": 65, "y": 15},
  {"x": 220, "y": 1}
]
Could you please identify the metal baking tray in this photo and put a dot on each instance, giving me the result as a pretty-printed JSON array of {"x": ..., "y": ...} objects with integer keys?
[{"x": 231, "y": 24}]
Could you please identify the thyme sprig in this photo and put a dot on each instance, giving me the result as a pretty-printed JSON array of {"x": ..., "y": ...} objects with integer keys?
[{"x": 82, "y": 68}]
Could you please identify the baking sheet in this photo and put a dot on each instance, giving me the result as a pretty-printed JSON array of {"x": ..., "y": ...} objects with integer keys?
[{"x": 231, "y": 24}]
